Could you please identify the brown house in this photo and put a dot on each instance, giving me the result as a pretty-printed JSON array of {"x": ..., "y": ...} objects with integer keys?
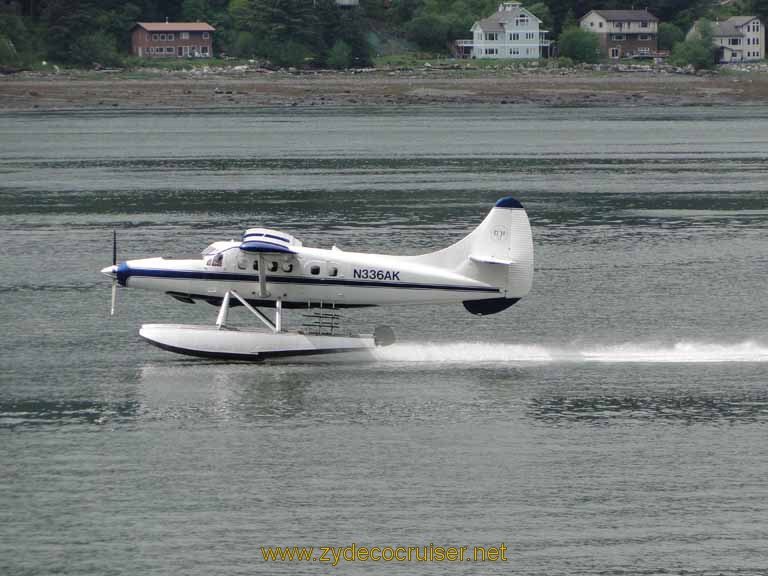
[
  {"x": 172, "y": 40},
  {"x": 624, "y": 33}
]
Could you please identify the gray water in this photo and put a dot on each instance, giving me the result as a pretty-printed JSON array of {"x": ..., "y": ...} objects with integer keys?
[{"x": 614, "y": 422}]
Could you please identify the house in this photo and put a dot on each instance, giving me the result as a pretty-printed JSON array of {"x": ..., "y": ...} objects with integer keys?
[
  {"x": 623, "y": 33},
  {"x": 738, "y": 39},
  {"x": 512, "y": 32},
  {"x": 172, "y": 39}
]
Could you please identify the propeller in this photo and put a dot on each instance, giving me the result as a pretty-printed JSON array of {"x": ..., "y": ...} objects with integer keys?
[{"x": 114, "y": 276}]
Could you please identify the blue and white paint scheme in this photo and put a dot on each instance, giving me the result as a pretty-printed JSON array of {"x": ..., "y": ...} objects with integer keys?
[{"x": 487, "y": 271}]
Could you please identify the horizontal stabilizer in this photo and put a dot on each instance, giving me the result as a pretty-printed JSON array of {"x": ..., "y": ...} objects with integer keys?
[{"x": 490, "y": 260}]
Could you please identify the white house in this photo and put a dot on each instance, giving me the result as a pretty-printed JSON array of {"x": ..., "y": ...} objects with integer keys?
[
  {"x": 738, "y": 39},
  {"x": 512, "y": 32}
]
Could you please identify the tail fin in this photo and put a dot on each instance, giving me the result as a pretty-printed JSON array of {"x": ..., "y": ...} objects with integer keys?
[{"x": 498, "y": 252}]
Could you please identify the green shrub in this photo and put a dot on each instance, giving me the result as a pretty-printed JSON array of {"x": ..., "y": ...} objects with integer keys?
[
  {"x": 430, "y": 32},
  {"x": 291, "y": 54},
  {"x": 696, "y": 52},
  {"x": 669, "y": 35},
  {"x": 97, "y": 48},
  {"x": 579, "y": 45},
  {"x": 340, "y": 56},
  {"x": 8, "y": 54}
]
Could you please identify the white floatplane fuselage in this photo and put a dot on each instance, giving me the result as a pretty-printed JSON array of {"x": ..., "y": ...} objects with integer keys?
[{"x": 488, "y": 270}]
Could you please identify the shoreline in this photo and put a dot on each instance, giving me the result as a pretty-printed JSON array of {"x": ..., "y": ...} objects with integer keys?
[{"x": 195, "y": 91}]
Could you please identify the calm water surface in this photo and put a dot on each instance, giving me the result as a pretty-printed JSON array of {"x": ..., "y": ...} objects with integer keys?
[{"x": 614, "y": 422}]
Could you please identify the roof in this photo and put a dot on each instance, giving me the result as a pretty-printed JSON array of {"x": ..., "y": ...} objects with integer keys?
[
  {"x": 627, "y": 15},
  {"x": 176, "y": 26},
  {"x": 730, "y": 27},
  {"x": 495, "y": 22}
]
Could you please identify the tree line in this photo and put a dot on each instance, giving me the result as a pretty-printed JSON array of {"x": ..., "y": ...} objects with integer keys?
[{"x": 306, "y": 32}]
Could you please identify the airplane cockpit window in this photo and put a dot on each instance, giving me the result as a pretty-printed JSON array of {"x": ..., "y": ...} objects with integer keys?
[
  {"x": 333, "y": 271},
  {"x": 217, "y": 260},
  {"x": 287, "y": 267},
  {"x": 273, "y": 266},
  {"x": 315, "y": 270}
]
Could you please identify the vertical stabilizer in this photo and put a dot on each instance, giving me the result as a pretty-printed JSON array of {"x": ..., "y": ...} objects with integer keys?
[{"x": 498, "y": 252}]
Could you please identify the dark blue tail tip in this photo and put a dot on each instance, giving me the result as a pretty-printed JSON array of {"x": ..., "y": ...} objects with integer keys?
[{"x": 508, "y": 202}]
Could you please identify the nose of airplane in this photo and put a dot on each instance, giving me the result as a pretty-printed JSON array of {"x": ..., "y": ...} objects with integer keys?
[{"x": 110, "y": 271}]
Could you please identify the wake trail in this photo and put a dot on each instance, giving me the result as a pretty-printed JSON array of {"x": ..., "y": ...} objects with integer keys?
[{"x": 484, "y": 353}]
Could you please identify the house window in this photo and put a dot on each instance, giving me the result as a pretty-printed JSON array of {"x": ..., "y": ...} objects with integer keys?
[
  {"x": 491, "y": 51},
  {"x": 521, "y": 20},
  {"x": 618, "y": 37},
  {"x": 734, "y": 41},
  {"x": 644, "y": 24},
  {"x": 162, "y": 37},
  {"x": 614, "y": 53},
  {"x": 170, "y": 50},
  {"x": 529, "y": 35},
  {"x": 155, "y": 37},
  {"x": 184, "y": 35},
  {"x": 171, "y": 36},
  {"x": 514, "y": 51},
  {"x": 644, "y": 51},
  {"x": 514, "y": 36},
  {"x": 591, "y": 24},
  {"x": 600, "y": 25},
  {"x": 205, "y": 34},
  {"x": 492, "y": 36},
  {"x": 204, "y": 49},
  {"x": 644, "y": 37}
]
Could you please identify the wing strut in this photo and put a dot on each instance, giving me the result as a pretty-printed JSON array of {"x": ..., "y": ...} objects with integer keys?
[{"x": 262, "y": 277}]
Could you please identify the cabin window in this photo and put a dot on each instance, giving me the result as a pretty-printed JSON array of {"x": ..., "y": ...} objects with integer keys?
[
  {"x": 314, "y": 270},
  {"x": 273, "y": 266},
  {"x": 333, "y": 271},
  {"x": 287, "y": 267},
  {"x": 255, "y": 264},
  {"x": 241, "y": 263}
]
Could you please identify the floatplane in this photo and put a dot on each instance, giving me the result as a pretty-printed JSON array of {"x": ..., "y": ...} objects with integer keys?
[{"x": 487, "y": 271}]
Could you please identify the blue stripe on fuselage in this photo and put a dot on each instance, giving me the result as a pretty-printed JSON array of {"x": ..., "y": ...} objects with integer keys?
[{"x": 232, "y": 277}]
